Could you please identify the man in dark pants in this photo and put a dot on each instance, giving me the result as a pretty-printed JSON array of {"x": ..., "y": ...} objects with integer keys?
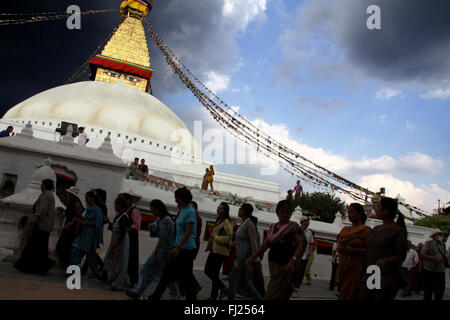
[{"x": 433, "y": 254}]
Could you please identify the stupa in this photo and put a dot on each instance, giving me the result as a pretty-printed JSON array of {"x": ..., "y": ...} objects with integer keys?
[{"x": 116, "y": 103}]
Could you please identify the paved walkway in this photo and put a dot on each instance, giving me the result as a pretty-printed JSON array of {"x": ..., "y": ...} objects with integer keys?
[{"x": 15, "y": 285}]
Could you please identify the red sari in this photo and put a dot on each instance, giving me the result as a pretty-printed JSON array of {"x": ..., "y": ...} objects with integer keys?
[{"x": 352, "y": 265}]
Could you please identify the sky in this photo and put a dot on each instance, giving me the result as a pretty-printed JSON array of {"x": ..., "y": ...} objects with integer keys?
[{"x": 370, "y": 105}]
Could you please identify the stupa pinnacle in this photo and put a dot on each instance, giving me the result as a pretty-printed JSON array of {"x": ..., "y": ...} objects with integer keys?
[{"x": 125, "y": 56}]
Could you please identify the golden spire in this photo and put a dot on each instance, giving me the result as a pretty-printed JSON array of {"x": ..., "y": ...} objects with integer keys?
[{"x": 126, "y": 55}]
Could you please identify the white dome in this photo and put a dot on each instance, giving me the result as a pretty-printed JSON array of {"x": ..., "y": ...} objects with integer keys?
[{"x": 108, "y": 106}]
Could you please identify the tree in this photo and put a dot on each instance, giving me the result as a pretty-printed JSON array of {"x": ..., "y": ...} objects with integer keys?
[
  {"x": 320, "y": 206},
  {"x": 435, "y": 222}
]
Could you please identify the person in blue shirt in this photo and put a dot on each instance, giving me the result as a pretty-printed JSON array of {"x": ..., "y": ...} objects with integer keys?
[
  {"x": 7, "y": 132},
  {"x": 180, "y": 267}
]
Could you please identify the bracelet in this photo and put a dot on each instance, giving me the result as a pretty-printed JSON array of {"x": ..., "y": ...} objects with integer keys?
[{"x": 294, "y": 258}]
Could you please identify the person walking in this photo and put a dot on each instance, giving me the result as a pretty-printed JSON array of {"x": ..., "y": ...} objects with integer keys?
[
  {"x": 287, "y": 243},
  {"x": 100, "y": 195},
  {"x": 34, "y": 257},
  {"x": 246, "y": 244},
  {"x": 387, "y": 249},
  {"x": 417, "y": 277},
  {"x": 164, "y": 229},
  {"x": 219, "y": 245},
  {"x": 134, "y": 218},
  {"x": 91, "y": 235},
  {"x": 116, "y": 259},
  {"x": 334, "y": 266},
  {"x": 433, "y": 254},
  {"x": 194, "y": 206},
  {"x": 408, "y": 267},
  {"x": 72, "y": 227},
  {"x": 229, "y": 261},
  {"x": 180, "y": 267},
  {"x": 352, "y": 249},
  {"x": 309, "y": 240},
  {"x": 310, "y": 261}
]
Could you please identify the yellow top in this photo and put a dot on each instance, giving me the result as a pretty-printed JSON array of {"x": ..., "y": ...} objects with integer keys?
[{"x": 133, "y": 4}]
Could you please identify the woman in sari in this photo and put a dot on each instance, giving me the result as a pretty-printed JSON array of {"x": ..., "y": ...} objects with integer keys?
[
  {"x": 205, "y": 179},
  {"x": 71, "y": 229},
  {"x": 116, "y": 259},
  {"x": 91, "y": 235},
  {"x": 164, "y": 229},
  {"x": 352, "y": 249},
  {"x": 210, "y": 178},
  {"x": 387, "y": 249},
  {"x": 286, "y": 242}
]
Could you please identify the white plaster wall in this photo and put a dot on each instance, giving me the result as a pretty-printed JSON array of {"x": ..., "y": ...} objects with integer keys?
[
  {"x": 162, "y": 161},
  {"x": 90, "y": 175}
]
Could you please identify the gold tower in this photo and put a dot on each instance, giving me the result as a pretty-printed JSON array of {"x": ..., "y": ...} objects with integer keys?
[{"x": 125, "y": 58}]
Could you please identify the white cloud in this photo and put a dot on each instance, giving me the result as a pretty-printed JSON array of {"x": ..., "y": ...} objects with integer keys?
[
  {"x": 217, "y": 82},
  {"x": 410, "y": 163},
  {"x": 370, "y": 172},
  {"x": 424, "y": 196},
  {"x": 437, "y": 94},
  {"x": 410, "y": 126},
  {"x": 383, "y": 118},
  {"x": 387, "y": 93},
  {"x": 235, "y": 90},
  {"x": 243, "y": 12}
]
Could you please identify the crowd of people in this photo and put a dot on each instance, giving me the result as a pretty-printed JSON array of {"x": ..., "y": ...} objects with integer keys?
[
  {"x": 290, "y": 247},
  {"x": 403, "y": 267}
]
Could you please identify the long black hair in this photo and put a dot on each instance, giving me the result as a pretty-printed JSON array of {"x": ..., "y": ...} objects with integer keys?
[
  {"x": 392, "y": 206},
  {"x": 248, "y": 209},
  {"x": 160, "y": 206},
  {"x": 226, "y": 215},
  {"x": 360, "y": 209}
]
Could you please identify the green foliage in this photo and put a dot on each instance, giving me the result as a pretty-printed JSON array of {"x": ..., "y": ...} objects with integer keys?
[
  {"x": 435, "y": 222},
  {"x": 320, "y": 206}
]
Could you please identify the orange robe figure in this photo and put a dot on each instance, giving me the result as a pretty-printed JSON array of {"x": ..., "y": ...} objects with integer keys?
[{"x": 352, "y": 265}]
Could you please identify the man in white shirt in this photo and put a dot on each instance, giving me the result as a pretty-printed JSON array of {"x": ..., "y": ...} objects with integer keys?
[
  {"x": 411, "y": 260},
  {"x": 301, "y": 267},
  {"x": 82, "y": 137}
]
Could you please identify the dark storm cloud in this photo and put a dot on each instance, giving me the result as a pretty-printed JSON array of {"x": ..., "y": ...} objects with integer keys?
[
  {"x": 412, "y": 46},
  {"x": 43, "y": 55}
]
